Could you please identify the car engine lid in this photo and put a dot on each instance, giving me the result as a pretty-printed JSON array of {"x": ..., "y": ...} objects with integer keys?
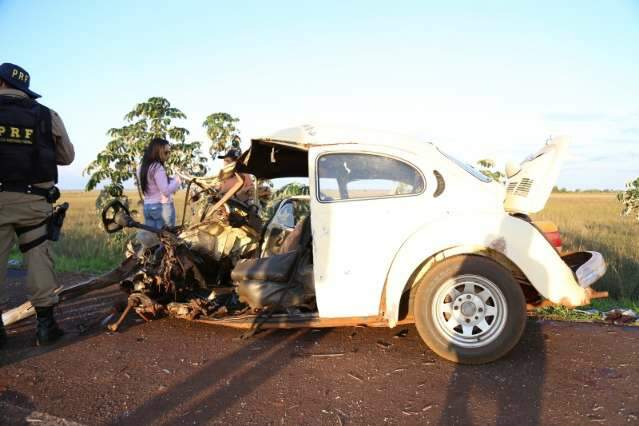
[{"x": 529, "y": 187}]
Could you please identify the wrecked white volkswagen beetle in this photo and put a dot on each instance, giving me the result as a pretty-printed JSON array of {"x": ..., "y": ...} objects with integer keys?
[
  {"x": 393, "y": 231},
  {"x": 400, "y": 232}
]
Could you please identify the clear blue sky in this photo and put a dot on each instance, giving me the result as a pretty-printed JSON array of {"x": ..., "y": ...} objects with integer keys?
[{"x": 480, "y": 79}]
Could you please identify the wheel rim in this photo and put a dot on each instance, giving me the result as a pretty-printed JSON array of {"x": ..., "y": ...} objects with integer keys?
[{"x": 470, "y": 311}]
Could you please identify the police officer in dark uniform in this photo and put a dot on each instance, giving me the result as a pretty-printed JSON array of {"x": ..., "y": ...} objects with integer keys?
[{"x": 33, "y": 142}]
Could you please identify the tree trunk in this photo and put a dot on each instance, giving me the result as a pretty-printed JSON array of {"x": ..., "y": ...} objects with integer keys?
[{"x": 137, "y": 186}]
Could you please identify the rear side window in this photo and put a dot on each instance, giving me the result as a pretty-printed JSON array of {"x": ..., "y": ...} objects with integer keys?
[
  {"x": 363, "y": 176},
  {"x": 470, "y": 169}
]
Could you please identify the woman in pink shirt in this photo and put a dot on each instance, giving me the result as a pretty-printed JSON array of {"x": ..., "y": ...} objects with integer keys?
[{"x": 157, "y": 187}]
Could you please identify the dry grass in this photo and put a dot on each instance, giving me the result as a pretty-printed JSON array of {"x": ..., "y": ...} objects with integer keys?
[
  {"x": 587, "y": 222},
  {"x": 84, "y": 246},
  {"x": 593, "y": 222}
]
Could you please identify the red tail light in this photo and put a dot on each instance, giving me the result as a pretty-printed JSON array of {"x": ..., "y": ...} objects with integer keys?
[
  {"x": 551, "y": 232},
  {"x": 554, "y": 238}
]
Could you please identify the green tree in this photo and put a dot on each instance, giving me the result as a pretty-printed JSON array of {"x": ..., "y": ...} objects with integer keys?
[
  {"x": 289, "y": 190},
  {"x": 487, "y": 168},
  {"x": 222, "y": 131},
  {"x": 119, "y": 160},
  {"x": 630, "y": 199}
]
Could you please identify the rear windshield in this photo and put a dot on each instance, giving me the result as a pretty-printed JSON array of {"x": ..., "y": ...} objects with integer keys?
[{"x": 470, "y": 169}]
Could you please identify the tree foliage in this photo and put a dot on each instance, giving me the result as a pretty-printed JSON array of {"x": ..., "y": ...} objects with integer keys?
[
  {"x": 119, "y": 160},
  {"x": 487, "y": 168},
  {"x": 289, "y": 190},
  {"x": 222, "y": 131},
  {"x": 630, "y": 199}
]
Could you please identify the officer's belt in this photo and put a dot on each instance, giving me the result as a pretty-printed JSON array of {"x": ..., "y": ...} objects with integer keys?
[{"x": 24, "y": 189}]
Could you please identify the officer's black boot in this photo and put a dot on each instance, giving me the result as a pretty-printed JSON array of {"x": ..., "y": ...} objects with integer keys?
[
  {"x": 3, "y": 333},
  {"x": 47, "y": 331}
]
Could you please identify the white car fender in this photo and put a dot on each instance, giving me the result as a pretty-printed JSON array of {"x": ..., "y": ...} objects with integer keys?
[{"x": 516, "y": 239}]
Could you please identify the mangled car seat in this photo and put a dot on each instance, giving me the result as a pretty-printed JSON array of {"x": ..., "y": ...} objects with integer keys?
[{"x": 282, "y": 280}]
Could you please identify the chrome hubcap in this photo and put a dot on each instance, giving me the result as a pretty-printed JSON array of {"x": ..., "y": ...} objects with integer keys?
[{"x": 470, "y": 311}]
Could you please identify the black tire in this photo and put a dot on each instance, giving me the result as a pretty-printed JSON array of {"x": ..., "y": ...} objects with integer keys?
[{"x": 500, "y": 331}]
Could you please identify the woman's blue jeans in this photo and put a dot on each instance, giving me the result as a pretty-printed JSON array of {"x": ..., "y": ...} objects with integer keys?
[{"x": 158, "y": 215}]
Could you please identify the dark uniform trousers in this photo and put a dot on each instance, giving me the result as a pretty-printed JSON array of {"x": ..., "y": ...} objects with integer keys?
[{"x": 17, "y": 213}]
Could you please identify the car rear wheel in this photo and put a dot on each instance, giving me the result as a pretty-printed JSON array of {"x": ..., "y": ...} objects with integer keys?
[{"x": 470, "y": 310}]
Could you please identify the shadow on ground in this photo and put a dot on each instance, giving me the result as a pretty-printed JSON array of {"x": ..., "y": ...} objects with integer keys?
[
  {"x": 512, "y": 386},
  {"x": 223, "y": 382}
]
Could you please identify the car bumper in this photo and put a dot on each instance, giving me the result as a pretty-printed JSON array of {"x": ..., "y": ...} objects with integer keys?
[{"x": 587, "y": 266}]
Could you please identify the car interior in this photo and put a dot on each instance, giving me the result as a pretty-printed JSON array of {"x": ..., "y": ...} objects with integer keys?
[{"x": 282, "y": 274}]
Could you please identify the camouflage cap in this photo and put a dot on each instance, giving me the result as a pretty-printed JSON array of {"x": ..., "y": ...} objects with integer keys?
[{"x": 233, "y": 154}]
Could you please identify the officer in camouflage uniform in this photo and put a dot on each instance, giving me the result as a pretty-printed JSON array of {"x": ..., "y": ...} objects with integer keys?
[{"x": 33, "y": 141}]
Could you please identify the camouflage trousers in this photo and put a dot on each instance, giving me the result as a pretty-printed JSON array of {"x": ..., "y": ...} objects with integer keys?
[{"x": 23, "y": 216}]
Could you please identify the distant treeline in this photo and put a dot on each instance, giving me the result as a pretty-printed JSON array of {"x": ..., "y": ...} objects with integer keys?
[{"x": 564, "y": 190}]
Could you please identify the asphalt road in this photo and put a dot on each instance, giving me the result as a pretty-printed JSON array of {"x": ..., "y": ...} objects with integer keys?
[{"x": 175, "y": 372}]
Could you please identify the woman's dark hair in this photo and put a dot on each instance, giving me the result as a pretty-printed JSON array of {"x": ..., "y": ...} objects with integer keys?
[{"x": 151, "y": 156}]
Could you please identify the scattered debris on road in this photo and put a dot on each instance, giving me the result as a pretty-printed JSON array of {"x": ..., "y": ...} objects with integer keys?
[
  {"x": 323, "y": 355},
  {"x": 384, "y": 345},
  {"x": 620, "y": 316},
  {"x": 402, "y": 333},
  {"x": 356, "y": 377},
  {"x": 617, "y": 316}
]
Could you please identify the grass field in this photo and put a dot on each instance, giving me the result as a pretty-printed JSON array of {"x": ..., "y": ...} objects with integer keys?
[
  {"x": 587, "y": 221},
  {"x": 591, "y": 221},
  {"x": 84, "y": 246}
]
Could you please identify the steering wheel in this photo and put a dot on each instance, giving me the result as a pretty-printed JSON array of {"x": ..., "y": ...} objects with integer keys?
[
  {"x": 239, "y": 205},
  {"x": 115, "y": 216}
]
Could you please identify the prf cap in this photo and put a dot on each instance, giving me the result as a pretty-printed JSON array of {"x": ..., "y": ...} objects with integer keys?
[{"x": 17, "y": 78}]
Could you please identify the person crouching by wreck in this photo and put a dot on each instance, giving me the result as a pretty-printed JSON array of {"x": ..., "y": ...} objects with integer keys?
[
  {"x": 33, "y": 142},
  {"x": 245, "y": 193},
  {"x": 157, "y": 187}
]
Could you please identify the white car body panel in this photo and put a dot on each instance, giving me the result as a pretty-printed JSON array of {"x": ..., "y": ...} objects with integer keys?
[
  {"x": 365, "y": 250},
  {"x": 516, "y": 239},
  {"x": 528, "y": 190},
  {"x": 351, "y": 259}
]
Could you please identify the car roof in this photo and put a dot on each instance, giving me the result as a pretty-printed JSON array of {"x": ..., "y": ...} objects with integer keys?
[
  {"x": 306, "y": 136},
  {"x": 290, "y": 159}
]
